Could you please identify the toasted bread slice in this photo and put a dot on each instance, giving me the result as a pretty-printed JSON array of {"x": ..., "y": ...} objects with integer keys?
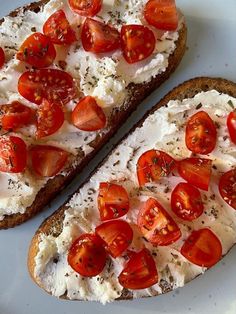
[{"x": 42, "y": 260}]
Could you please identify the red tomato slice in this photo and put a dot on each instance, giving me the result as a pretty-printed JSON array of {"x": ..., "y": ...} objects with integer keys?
[
  {"x": 137, "y": 42},
  {"x": 197, "y": 171},
  {"x": 50, "y": 118},
  {"x": 47, "y": 161},
  {"x": 87, "y": 255},
  {"x": 157, "y": 226},
  {"x": 231, "y": 124},
  {"x": 140, "y": 272},
  {"x": 86, "y": 7},
  {"x": 161, "y": 14},
  {"x": 13, "y": 154},
  {"x": 37, "y": 50},
  {"x": 53, "y": 85},
  {"x": 113, "y": 201},
  {"x": 202, "y": 248},
  {"x": 200, "y": 136},
  {"x": 117, "y": 235},
  {"x": 186, "y": 201},
  {"x": 15, "y": 116},
  {"x": 2, "y": 57},
  {"x": 227, "y": 187},
  {"x": 58, "y": 29},
  {"x": 98, "y": 37},
  {"x": 154, "y": 164},
  {"x": 88, "y": 116}
]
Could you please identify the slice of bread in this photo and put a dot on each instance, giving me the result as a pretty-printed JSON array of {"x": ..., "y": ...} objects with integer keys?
[
  {"x": 52, "y": 227},
  {"x": 136, "y": 93}
]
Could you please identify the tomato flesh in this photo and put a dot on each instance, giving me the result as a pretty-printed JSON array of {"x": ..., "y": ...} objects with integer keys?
[
  {"x": 13, "y": 154},
  {"x": 86, "y": 7},
  {"x": 156, "y": 225},
  {"x": 137, "y": 42},
  {"x": 37, "y": 50},
  {"x": 231, "y": 124},
  {"x": 227, "y": 187},
  {"x": 202, "y": 248},
  {"x": 113, "y": 201},
  {"x": 200, "y": 135},
  {"x": 161, "y": 14},
  {"x": 117, "y": 235},
  {"x": 196, "y": 171},
  {"x": 154, "y": 164},
  {"x": 140, "y": 272},
  {"x": 87, "y": 255},
  {"x": 88, "y": 116},
  {"x": 2, "y": 57},
  {"x": 51, "y": 84},
  {"x": 186, "y": 201},
  {"x": 47, "y": 161},
  {"x": 58, "y": 29}
]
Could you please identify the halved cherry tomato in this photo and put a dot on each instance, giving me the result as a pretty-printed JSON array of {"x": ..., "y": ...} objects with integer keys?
[
  {"x": 137, "y": 42},
  {"x": 140, "y": 272},
  {"x": 2, "y": 57},
  {"x": 87, "y": 255},
  {"x": 197, "y": 171},
  {"x": 47, "y": 160},
  {"x": 13, "y": 154},
  {"x": 231, "y": 124},
  {"x": 58, "y": 29},
  {"x": 98, "y": 37},
  {"x": 117, "y": 235},
  {"x": 86, "y": 7},
  {"x": 37, "y": 50},
  {"x": 50, "y": 118},
  {"x": 227, "y": 187},
  {"x": 51, "y": 84},
  {"x": 154, "y": 164},
  {"x": 113, "y": 201},
  {"x": 186, "y": 201},
  {"x": 157, "y": 226},
  {"x": 202, "y": 248},
  {"x": 15, "y": 115},
  {"x": 88, "y": 116},
  {"x": 162, "y": 14},
  {"x": 200, "y": 136}
]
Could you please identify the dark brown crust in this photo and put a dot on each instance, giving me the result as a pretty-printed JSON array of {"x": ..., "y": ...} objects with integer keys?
[
  {"x": 137, "y": 92},
  {"x": 53, "y": 224}
]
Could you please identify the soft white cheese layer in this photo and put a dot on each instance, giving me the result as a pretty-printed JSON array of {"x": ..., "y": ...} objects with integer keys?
[{"x": 164, "y": 130}]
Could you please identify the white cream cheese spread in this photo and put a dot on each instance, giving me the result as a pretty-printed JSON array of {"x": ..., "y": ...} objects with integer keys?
[
  {"x": 163, "y": 130},
  {"x": 103, "y": 76}
]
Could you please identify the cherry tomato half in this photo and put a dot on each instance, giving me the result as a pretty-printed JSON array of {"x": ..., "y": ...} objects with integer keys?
[
  {"x": 2, "y": 57},
  {"x": 231, "y": 124},
  {"x": 86, "y": 7},
  {"x": 227, "y": 187}
]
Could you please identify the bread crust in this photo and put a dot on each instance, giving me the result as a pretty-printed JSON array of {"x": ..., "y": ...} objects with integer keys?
[
  {"x": 137, "y": 93},
  {"x": 53, "y": 224}
]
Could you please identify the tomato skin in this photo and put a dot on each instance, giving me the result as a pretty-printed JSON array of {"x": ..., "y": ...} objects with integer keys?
[
  {"x": 186, "y": 201},
  {"x": 231, "y": 125},
  {"x": 87, "y": 255},
  {"x": 113, "y": 201},
  {"x": 196, "y": 171},
  {"x": 2, "y": 57},
  {"x": 50, "y": 117},
  {"x": 156, "y": 225},
  {"x": 58, "y": 29},
  {"x": 117, "y": 235},
  {"x": 98, "y": 37},
  {"x": 140, "y": 272},
  {"x": 86, "y": 7},
  {"x": 88, "y": 116},
  {"x": 137, "y": 42},
  {"x": 202, "y": 248},
  {"x": 13, "y": 154},
  {"x": 227, "y": 187},
  {"x": 37, "y": 50},
  {"x": 161, "y": 14},
  {"x": 200, "y": 135},
  {"x": 154, "y": 164},
  {"x": 51, "y": 84},
  {"x": 47, "y": 161}
]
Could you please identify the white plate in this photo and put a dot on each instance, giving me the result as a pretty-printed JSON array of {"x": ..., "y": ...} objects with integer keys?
[{"x": 211, "y": 52}]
